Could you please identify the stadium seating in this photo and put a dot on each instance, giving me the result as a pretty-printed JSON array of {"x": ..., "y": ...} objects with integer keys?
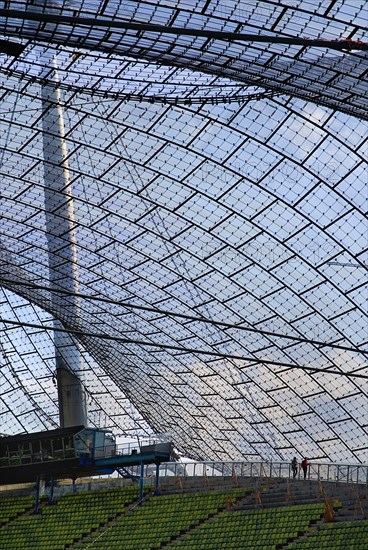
[
  {"x": 257, "y": 529},
  {"x": 74, "y": 516},
  {"x": 162, "y": 519},
  {"x": 352, "y": 535},
  {"x": 11, "y": 508},
  {"x": 112, "y": 519}
]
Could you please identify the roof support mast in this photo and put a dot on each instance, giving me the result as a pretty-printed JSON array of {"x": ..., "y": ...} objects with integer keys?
[{"x": 62, "y": 253}]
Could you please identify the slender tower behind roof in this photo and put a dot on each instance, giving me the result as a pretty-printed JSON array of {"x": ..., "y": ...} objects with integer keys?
[{"x": 62, "y": 254}]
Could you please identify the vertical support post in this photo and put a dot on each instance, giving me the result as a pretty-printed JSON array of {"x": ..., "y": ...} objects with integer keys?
[
  {"x": 74, "y": 487},
  {"x": 51, "y": 497},
  {"x": 37, "y": 499},
  {"x": 141, "y": 484},
  {"x": 62, "y": 253},
  {"x": 157, "y": 480}
]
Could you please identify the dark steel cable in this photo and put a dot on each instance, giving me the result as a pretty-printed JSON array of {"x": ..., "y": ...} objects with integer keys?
[
  {"x": 90, "y": 22},
  {"x": 9, "y": 283},
  {"x": 252, "y": 360}
]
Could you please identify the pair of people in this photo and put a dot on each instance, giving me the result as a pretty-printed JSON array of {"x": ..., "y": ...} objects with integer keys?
[{"x": 304, "y": 466}]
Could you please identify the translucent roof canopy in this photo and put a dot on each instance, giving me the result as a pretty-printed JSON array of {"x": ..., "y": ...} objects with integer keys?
[{"x": 207, "y": 250}]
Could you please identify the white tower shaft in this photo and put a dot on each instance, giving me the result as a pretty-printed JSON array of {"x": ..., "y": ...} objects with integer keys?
[{"x": 62, "y": 255}]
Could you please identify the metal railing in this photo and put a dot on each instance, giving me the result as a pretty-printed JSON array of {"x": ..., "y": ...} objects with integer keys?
[
  {"x": 343, "y": 473},
  {"x": 136, "y": 446},
  {"x": 260, "y": 472}
]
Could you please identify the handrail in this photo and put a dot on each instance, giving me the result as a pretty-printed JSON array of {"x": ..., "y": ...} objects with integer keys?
[
  {"x": 134, "y": 447},
  {"x": 341, "y": 473}
]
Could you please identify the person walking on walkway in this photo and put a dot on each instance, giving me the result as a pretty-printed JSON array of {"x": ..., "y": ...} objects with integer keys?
[{"x": 294, "y": 466}]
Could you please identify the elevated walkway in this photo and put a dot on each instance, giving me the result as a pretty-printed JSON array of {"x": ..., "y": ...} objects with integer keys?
[{"x": 71, "y": 453}]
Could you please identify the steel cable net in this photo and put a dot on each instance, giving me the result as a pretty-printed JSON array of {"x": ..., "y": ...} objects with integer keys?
[{"x": 220, "y": 249}]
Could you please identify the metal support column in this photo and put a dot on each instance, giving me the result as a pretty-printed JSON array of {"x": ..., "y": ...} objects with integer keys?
[
  {"x": 157, "y": 480},
  {"x": 51, "y": 497},
  {"x": 37, "y": 498},
  {"x": 141, "y": 484}
]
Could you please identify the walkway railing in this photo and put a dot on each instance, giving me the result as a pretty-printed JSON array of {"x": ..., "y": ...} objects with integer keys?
[
  {"x": 344, "y": 473},
  {"x": 135, "y": 447},
  {"x": 261, "y": 472}
]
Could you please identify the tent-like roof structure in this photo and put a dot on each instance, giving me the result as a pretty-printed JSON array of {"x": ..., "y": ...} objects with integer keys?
[{"x": 216, "y": 154}]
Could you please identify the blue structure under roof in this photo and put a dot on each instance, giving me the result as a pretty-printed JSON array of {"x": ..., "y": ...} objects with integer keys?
[{"x": 72, "y": 453}]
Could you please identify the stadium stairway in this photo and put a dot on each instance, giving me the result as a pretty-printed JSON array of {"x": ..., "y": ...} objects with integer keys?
[
  {"x": 235, "y": 503},
  {"x": 90, "y": 537},
  {"x": 292, "y": 492}
]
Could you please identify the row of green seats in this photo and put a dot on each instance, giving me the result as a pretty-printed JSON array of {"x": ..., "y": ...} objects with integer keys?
[
  {"x": 71, "y": 518},
  {"x": 161, "y": 519},
  {"x": 352, "y": 535},
  {"x": 253, "y": 529},
  {"x": 10, "y": 507}
]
